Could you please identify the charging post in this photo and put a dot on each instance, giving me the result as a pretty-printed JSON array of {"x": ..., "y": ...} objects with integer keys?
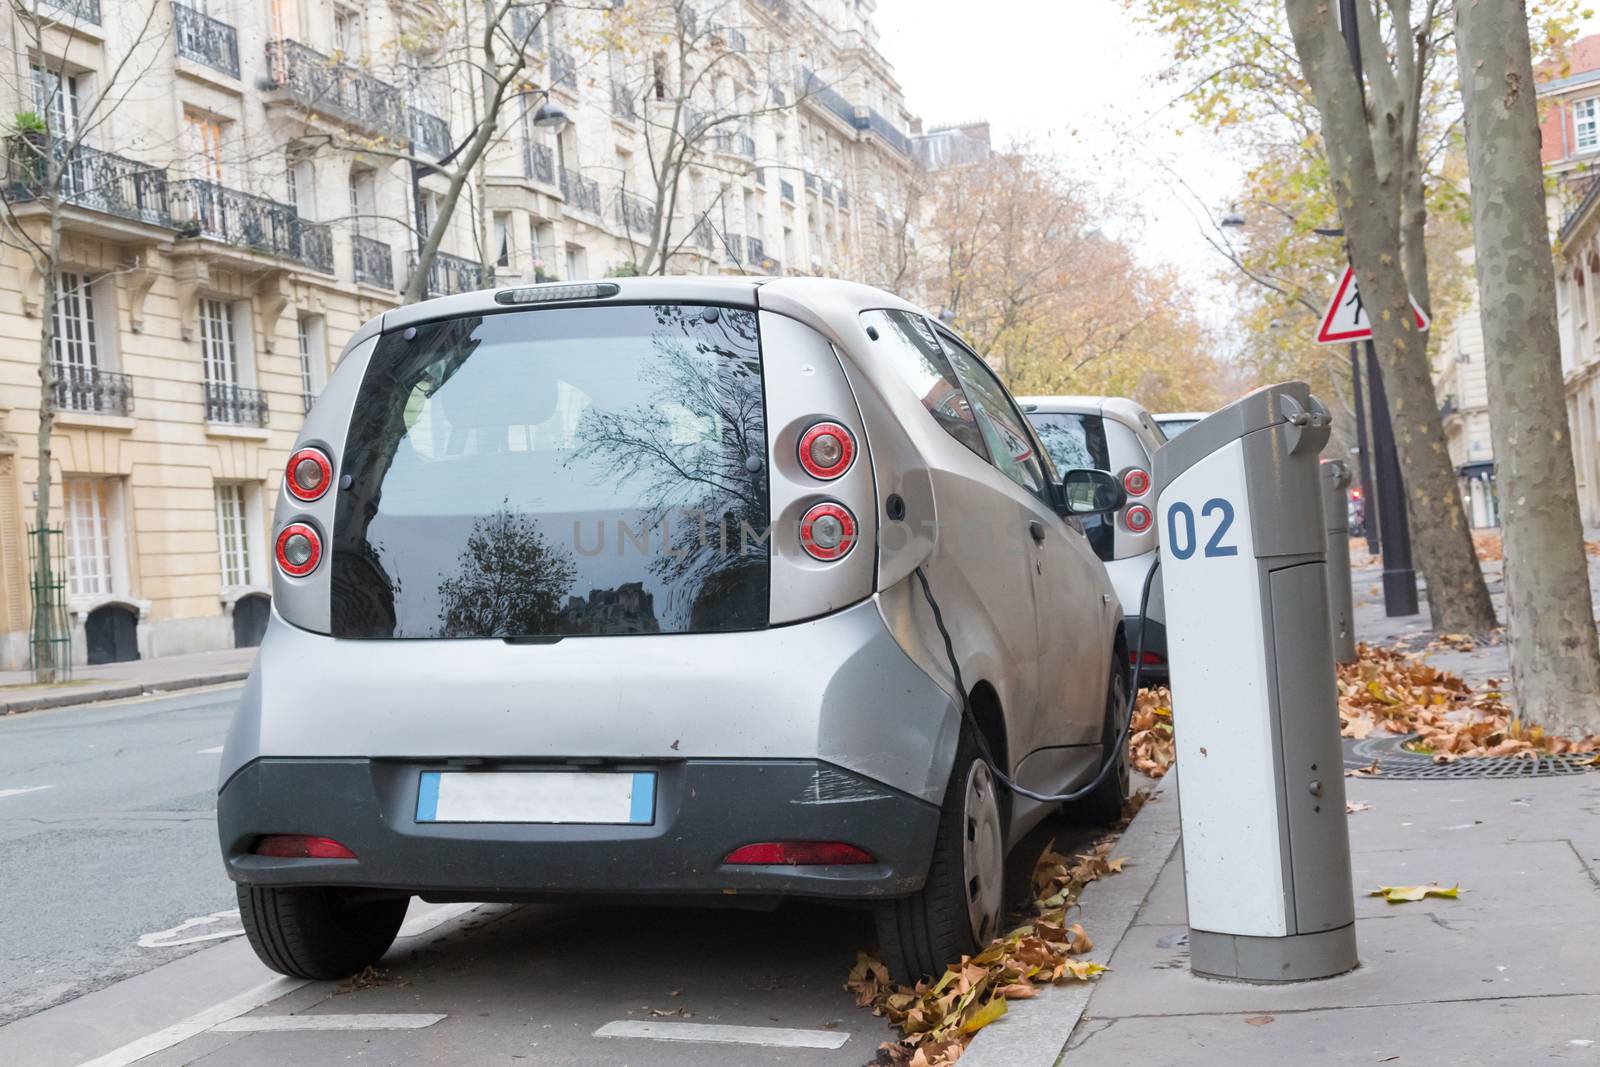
[
  {"x": 1341, "y": 598},
  {"x": 1266, "y": 850}
]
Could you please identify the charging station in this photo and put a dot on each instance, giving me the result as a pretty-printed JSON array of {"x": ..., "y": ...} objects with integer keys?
[
  {"x": 1341, "y": 597},
  {"x": 1266, "y": 851}
]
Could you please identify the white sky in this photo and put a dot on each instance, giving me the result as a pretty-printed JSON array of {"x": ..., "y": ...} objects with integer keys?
[{"x": 1077, "y": 79}]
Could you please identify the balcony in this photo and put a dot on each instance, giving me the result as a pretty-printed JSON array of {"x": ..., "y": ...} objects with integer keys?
[
  {"x": 372, "y": 262},
  {"x": 205, "y": 40},
  {"x": 872, "y": 122},
  {"x": 235, "y": 405},
  {"x": 316, "y": 245},
  {"x": 243, "y": 220},
  {"x": 448, "y": 275},
  {"x": 92, "y": 389},
  {"x": 539, "y": 163},
  {"x": 83, "y": 10},
  {"x": 813, "y": 88},
  {"x": 786, "y": 189},
  {"x": 353, "y": 97},
  {"x": 582, "y": 194},
  {"x": 736, "y": 143},
  {"x": 563, "y": 69},
  {"x": 635, "y": 213},
  {"x": 755, "y": 250},
  {"x": 91, "y": 179},
  {"x": 622, "y": 104}
]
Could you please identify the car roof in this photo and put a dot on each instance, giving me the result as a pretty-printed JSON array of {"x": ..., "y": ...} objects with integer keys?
[
  {"x": 1176, "y": 416},
  {"x": 1118, "y": 407}
]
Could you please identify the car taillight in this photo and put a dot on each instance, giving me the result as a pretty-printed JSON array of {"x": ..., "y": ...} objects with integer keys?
[
  {"x": 299, "y": 549},
  {"x": 1151, "y": 659},
  {"x": 1136, "y": 482},
  {"x": 827, "y": 450},
  {"x": 827, "y": 532},
  {"x": 798, "y": 854},
  {"x": 1137, "y": 518},
  {"x": 301, "y": 847},
  {"x": 309, "y": 474}
]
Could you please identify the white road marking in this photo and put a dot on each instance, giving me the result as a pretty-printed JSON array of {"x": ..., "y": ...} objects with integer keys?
[
  {"x": 198, "y": 1023},
  {"x": 211, "y": 751},
  {"x": 768, "y": 1036},
  {"x": 168, "y": 938},
  {"x": 432, "y": 919},
  {"x": 25, "y": 789},
  {"x": 256, "y": 1024}
]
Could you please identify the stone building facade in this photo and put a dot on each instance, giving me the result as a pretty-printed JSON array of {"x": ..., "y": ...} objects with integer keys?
[{"x": 252, "y": 198}]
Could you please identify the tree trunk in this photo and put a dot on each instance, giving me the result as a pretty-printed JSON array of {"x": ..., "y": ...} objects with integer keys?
[
  {"x": 1370, "y": 208},
  {"x": 1555, "y": 660},
  {"x": 44, "y": 646}
]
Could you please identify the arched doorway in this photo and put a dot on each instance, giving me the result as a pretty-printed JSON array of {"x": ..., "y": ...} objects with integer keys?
[
  {"x": 111, "y": 633},
  {"x": 250, "y": 619}
]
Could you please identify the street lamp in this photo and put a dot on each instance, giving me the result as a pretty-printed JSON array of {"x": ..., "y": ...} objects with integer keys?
[
  {"x": 550, "y": 115},
  {"x": 1232, "y": 221}
]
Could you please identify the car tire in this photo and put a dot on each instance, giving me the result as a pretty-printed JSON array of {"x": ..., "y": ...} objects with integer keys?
[
  {"x": 1103, "y": 807},
  {"x": 960, "y": 906},
  {"x": 318, "y": 932}
]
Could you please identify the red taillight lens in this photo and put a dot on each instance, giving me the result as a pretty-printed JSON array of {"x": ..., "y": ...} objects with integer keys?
[
  {"x": 1151, "y": 659},
  {"x": 1136, "y": 482},
  {"x": 1137, "y": 518},
  {"x": 798, "y": 854},
  {"x": 299, "y": 549},
  {"x": 302, "y": 847},
  {"x": 309, "y": 474},
  {"x": 828, "y": 532},
  {"x": 827, "y": 450}
]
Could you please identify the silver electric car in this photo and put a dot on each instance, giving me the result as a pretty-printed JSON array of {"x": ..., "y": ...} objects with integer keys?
[{"x": 664, "y": 586}]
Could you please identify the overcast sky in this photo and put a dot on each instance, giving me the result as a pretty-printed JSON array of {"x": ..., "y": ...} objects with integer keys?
[{"x": 1077, "y": 79}]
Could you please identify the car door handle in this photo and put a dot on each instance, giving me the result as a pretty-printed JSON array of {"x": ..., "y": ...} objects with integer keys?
[{"x": 1036, "y": 530}]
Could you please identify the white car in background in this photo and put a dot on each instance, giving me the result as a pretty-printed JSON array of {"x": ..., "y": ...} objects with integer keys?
[
  {"x": 1114, "y": 434},
  {"x": 1173, "y": 423}
]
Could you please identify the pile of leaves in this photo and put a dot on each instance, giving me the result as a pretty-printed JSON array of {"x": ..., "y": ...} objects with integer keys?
[
  {"x": 1391, "y": 690},
  {"x": 1150, "y": 737},
  {"x": 937, "y": 1018},
  {"x": 1489, "y": 548}
]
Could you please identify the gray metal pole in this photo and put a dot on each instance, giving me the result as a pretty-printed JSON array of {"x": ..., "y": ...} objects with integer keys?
[
  {"x": 1341, "y": 600},
  {"x": 1369, "y": 507},
  {"x": 1399, "y": 579}
]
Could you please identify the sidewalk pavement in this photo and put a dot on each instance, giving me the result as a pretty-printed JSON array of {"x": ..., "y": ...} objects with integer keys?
[
  {"x": 116, "y": 681},
  {"x": 1505, "y": 974}
]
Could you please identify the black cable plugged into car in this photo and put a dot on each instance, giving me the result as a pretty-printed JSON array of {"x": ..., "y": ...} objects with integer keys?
[{"x": 983, "y": 743}]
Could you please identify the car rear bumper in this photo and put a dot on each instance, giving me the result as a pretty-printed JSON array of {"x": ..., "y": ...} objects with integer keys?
[
  {"x": 1155, "y": 643},
  {"x": 703, "y": 810}
]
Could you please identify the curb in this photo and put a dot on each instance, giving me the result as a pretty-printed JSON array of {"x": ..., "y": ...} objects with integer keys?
[
  {"x": 1034, "y": 1033},
  {"x": 101, "y": 694}
]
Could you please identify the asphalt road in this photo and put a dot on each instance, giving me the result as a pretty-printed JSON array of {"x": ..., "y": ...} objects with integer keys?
[{"x": 107, "y": 834}]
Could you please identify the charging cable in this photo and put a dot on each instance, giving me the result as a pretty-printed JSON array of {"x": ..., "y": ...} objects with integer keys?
[{"x": 983, "y": 744}]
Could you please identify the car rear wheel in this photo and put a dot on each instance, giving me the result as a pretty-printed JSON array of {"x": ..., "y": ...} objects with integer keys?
[
  {"x": 958, "y": 908},
  {"x": 318, "y": 932},
  {"x": 1104, "y": 806}
]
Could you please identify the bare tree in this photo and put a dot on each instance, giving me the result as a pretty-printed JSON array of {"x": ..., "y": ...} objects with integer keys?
[
  {"x": 50, "y": 169},
  {"x": 1555, "y": 660},
  {"x": 1373, "y": 155}
]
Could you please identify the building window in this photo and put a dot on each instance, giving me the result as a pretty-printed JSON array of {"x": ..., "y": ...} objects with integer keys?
[
  {"x": 576, "y": 271},
  {"x": 1586, "y": 121},
  {"x": 502, "y": 239},
  {"x": 313, "y": 357},
  {"x": 300, "y": 179},
  {"x": 75, "y": 346},
  {"x": 203, "y": 136},
  {"x": 55, "y": 96},
  {"x": 363, "y": 201},
  {"x": 90, "y": 505},
  {"x": 217, "y": 347},
  {"x": 347, "y": 31},
  {"x": 233, "y": 537}
]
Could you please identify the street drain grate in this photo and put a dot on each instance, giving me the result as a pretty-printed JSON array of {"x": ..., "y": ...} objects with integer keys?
[{"x": 1395, "y": 762}]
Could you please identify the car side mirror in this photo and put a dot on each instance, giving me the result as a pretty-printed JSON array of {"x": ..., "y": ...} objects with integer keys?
[{"x": 1090, "y": 492}]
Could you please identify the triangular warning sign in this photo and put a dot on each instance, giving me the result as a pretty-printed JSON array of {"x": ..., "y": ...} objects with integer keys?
[{"x": 1346, "y": 320}]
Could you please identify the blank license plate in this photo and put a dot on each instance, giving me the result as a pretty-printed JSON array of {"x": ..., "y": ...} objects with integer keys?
[{"x": 602, "y": 797}]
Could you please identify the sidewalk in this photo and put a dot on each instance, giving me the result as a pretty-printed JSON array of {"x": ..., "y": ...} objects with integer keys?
[
  {"x": 115, "y": 681},
  {"x": 1505, "y": 974}
]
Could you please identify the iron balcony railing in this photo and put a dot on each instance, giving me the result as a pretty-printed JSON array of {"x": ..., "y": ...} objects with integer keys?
[
  {"x": 771, "y": 266},
  {"x": 236, "y": 405},
  {"x": 449, "y": 274},
  {"x": 622, "y": 104},
  {"x": 736, "y": 143},
  {"x": 580, "y": 192},
  {"x": 787, "y": 189},
  {"x": 372, "y": 262},
  {"x": 635, "y": 212},
  {"x": 563, "y": 68},
  {"x": 205, "y": 39},
  {"x": 316, "y": 245},
  {"x": 811, "y": 85},
  {"x": 203, "y": 208},
  {"x": 539, "y": 163},
  {"x": 355, "y": 97},
  {"x": 86, "y": 10},
  {"x": 92, "y": 179},
  {"x": 92, "y": 389},
  {"x": 873, "y": 122}
]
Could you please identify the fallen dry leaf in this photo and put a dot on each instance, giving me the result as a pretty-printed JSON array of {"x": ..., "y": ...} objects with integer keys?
[
  {"x": 1259, "y": 1020},
  {"x": 1406, "y": 894},
  {"x": 1356, "y": 805}
]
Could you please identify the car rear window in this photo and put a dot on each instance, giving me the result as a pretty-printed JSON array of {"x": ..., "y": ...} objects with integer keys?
[
  {"x": 1079, "y": 441},
  {"x": 556, "y": 472}
]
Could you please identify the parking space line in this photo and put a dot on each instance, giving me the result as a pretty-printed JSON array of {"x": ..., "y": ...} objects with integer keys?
[
  {"x": 197, "y": 1023},
  {"x": 257, "y": 1024},
  {"x": 25, "y": 789},
  {"x": 769, "y": 1036}
]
